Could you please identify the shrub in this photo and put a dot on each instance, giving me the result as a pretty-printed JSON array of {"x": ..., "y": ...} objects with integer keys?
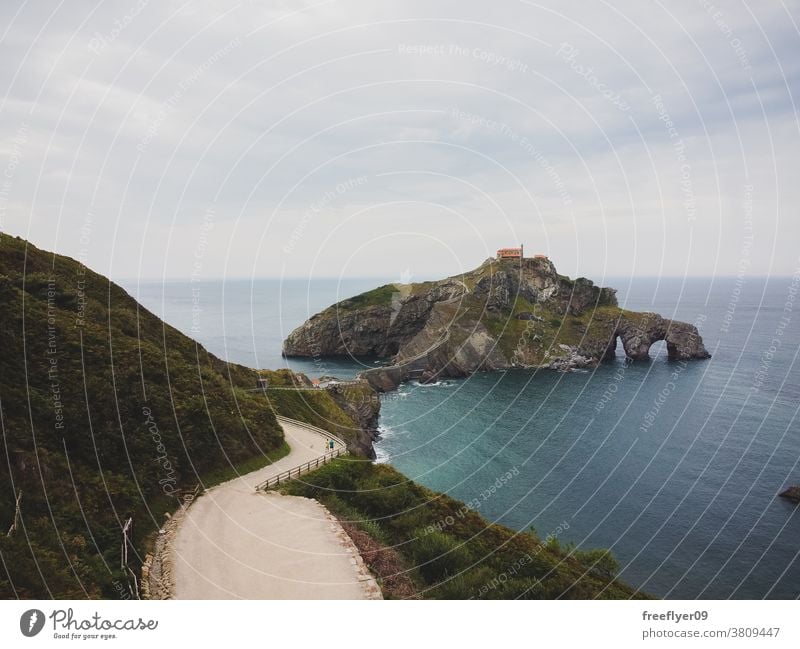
[
  {"x": 599, "y": 561},
  {"x": 438, "y": 555}
]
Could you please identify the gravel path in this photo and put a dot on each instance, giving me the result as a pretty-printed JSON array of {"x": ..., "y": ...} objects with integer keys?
[{"x": 235, "y": 543}]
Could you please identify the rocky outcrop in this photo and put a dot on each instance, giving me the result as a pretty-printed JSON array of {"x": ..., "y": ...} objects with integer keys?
[
  {"x": 362, "y": 404},
  {"x": 572, "y": 359},
  {"x": 792, "y": 493},
  {"x": 536, "y": 281},
  {"x": 361, "y": 333},
  {"x": 503, "y": 314},
  {"x": 348, "y": 409},
  {"x": 378, "y": 324}
]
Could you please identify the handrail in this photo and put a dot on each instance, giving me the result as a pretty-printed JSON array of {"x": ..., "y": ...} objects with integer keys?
[
  {"x": 311, "y": 427},
  {"x": 297, "y": 471},
  {"x": 347, "y": 384},
  {"x": 307, "y": 388}
]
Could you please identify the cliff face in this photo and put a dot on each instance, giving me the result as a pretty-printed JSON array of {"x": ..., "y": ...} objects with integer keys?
[
  {"x": 376, "y": 323},
  {"x": 503, "y": 314},
  {"x": 348, "y": 409},
  {"x": 362, "y": 405}
]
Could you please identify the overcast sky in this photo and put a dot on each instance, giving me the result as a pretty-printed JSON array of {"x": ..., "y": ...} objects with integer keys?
[{"x": 364, "y": 138}]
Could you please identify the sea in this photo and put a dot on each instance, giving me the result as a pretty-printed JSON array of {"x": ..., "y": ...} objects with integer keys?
[{"x": 674, "y": 466}]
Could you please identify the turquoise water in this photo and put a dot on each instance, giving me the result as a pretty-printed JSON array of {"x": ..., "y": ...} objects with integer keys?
[{"x": 674, "y": 466}]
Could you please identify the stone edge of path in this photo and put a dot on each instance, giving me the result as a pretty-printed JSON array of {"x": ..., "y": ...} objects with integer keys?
[
  {"x": 368, "y": 583},
  {"x": 157, "y": 570}
]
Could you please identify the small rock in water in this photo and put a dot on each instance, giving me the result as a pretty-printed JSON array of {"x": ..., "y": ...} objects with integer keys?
[
  {"x": 428, "y": 378},
  {"x": 792, "y": 493}
]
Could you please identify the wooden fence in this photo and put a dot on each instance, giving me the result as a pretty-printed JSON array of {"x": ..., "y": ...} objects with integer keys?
[{"x": 297, "y": 471}]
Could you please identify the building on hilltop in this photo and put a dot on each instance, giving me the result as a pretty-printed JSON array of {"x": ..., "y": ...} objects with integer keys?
[
  {"x": 511, "y": 253},
  {"x": 516, "y": 253}
]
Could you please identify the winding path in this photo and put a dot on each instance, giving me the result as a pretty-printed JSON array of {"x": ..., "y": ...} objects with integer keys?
[{"x": 237, "y": 543}]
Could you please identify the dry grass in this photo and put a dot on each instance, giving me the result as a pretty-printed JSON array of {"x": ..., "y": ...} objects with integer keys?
[{"x": 385, "y": 563}]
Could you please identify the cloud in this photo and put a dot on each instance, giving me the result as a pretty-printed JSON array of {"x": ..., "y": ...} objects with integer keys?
[{"x": 614, "y": 138}]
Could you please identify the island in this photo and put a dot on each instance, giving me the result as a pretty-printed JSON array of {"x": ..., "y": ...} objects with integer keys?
[{"x": 511, "y": 311}]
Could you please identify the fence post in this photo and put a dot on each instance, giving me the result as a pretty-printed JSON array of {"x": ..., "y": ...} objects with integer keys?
[
  {"x": 126, "y": 542},
  {"x": 15, "y": 522}
]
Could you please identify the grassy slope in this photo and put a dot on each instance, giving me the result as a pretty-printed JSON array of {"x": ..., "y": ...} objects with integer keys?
[
  {"x": 87, "y": 456},
  {"x": 381, "y": 296},
  {"x": 453, "y": 552}
]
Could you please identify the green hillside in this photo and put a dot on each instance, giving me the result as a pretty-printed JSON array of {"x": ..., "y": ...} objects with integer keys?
[
  {"x": 106, "y": 413},
  {"x": 445, "y": 549}
]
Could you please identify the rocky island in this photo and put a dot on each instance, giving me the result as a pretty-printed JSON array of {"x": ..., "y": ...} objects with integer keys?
[{"x": 511, "y": 311}]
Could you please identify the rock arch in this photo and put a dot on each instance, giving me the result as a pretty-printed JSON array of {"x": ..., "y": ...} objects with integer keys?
[{"x": 638, "y": 335}]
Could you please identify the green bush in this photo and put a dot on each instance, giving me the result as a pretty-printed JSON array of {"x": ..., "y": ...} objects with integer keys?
[
  {"x": 599, "y": 561},
  {"x": 438, "y": 555}
]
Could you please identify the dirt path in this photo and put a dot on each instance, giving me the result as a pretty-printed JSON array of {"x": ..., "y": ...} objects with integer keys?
[{"x": 234, "y": 543}]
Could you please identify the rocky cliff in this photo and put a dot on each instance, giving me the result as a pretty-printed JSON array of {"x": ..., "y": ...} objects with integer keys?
[
  {"x": 503, "y": 314},
  {"x": 348, "y": 409}
]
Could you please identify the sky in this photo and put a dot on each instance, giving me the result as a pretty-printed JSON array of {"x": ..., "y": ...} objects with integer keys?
[{"x": 357, "y": 138}]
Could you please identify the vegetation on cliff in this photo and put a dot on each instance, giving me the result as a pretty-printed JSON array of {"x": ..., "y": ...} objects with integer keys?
[{"x": 450, "y": 551}]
